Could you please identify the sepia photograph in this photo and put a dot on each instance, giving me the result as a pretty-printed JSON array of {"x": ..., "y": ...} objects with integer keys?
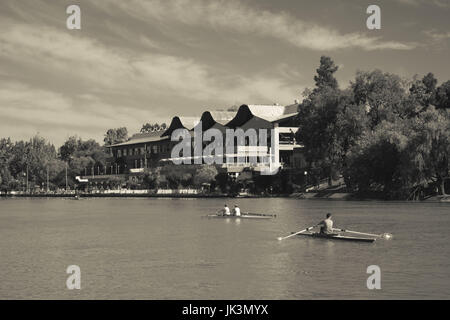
[{"x": 224, "y": 150}]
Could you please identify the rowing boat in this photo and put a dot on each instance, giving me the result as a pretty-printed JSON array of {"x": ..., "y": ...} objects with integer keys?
[
  {"x": 336, "y": 237},
  {"x": 243, "y": 216}
]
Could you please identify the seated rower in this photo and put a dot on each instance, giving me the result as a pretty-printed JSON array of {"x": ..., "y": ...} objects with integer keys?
[
  {"x": 326, "y": 226},
  {"x": 225, "y": 211},
  {"x": 236, "y": 211}
]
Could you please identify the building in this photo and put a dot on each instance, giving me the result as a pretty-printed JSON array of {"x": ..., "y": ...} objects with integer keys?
[{"x": 146, "y": 150}]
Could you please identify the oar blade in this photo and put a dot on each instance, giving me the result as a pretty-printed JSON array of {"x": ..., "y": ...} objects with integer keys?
[
  {"x": 386, "y": 236},
  {"x": 294, "y": 233}
]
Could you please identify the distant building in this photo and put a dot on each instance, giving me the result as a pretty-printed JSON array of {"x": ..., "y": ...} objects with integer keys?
[{"x": 146, "y": 150}]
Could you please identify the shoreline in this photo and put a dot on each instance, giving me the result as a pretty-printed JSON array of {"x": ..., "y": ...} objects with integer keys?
[{"x": 304, "y": 196}]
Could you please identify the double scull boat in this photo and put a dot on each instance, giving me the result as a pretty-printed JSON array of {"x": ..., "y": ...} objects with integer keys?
[{"x": 242, "y": 216}]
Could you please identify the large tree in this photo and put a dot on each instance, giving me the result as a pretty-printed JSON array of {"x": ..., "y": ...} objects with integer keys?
[
  {"x": 382, "y": 94},
  {"x": 114, "y": 136},
  {"x": 429, "y": 147},
  {"x": 317, "y": 118}
]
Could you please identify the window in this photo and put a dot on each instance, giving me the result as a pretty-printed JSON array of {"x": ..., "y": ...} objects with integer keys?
[
  {"x": 119, "y": 153},
  {"x": 124, "y": 152}
]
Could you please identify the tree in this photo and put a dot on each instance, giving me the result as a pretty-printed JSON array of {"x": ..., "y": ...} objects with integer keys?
[
  {"x": 178, "y": 176},
  {"x": 5, "y": 161},
  {"x": 69, "y": 148},
  {"x": 443, "y": 96},
  {"x": 375, "y": 162},
  {"x": 39, "y": 155},
  {"x": 318, "y": 115},
  {"x": 223, "y": 181},
  {"x": 430, "y": 82},
  {"x": 151, "y": 178},
  {"x": 318, "y": 130},
  {"x": 423, "y": 92},
  {"x": 114, "y": 136},
  {"x": 5, "y": 179},
  {"x": 205, "y": 174},
  {"x": 398, "y": 156},
  {"x": 147, "y": 127},
  {"x": 382, "y": 94},
  {"x": 325, "y": 74},
  {"x": 429, "y": 147},
  {"x": 81, "y": 155}
]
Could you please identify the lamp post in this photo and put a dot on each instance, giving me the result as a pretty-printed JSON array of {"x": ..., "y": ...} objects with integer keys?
[
  {"x": 306, "y": 178},
  {"x": 27, "y": 177}
]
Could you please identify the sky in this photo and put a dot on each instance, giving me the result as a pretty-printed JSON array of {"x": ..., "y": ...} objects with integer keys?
[{"x": 141, "y": 61}]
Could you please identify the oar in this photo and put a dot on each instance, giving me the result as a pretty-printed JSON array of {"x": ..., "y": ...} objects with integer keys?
[
  {"x": 386, "y": 236},
  {"x": 293, "y": 234}
]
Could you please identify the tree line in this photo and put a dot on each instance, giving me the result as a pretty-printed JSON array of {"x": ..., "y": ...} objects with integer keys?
[
  {"x": 27, "y": 165},
  {"x": 382, "y": 134}
]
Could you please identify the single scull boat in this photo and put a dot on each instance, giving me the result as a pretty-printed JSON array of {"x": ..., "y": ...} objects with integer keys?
[{"x": 336, "y": 237}]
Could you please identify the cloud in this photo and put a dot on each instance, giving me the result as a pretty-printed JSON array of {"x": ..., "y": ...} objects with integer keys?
[
  {"x": 438, "y": 3},
  {"x": 437, "y": 36},
  {"x": 234, "y": 16},
  {"x": 81, "y": 84},
  {"x": 39, "y": 109},
  {"x": 116, "y": 70}
]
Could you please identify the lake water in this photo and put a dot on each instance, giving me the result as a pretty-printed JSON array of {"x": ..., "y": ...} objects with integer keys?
[{"x": 164, "y": 249}]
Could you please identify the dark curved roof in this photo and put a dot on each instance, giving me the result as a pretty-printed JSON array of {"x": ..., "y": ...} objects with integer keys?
[
  {"x": 242, "y": 116},
  {"x": 179, "y": 123},
  {"x": 216, "y": 119},
  {"x": 270, "y": 113}
]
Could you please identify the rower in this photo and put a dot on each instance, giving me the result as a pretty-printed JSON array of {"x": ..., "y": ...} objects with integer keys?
[
  {"x": 226, "y": 211},
  {"x": 237, "y": 211},
  {"x": 326, "y": 226}
]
